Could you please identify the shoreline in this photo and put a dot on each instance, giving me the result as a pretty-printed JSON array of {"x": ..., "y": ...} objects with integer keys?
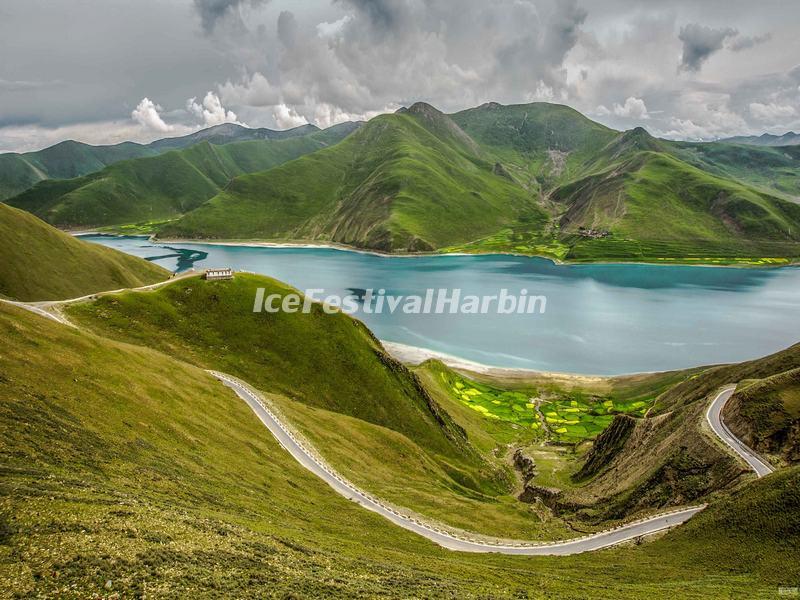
[
  {"x": 345, "y": 248},
  {"x": 416, "y": 355}
]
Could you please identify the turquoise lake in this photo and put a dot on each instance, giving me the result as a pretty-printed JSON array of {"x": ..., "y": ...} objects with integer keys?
[{"x": 600, "y": 319}]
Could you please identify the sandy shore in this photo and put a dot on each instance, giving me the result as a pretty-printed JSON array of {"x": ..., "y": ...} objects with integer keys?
[{"x": 414, "y": 355}]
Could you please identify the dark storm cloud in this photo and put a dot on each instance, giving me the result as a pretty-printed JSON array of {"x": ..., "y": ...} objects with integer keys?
[
  {"x": 380, "y": 13},
  {"x": 700, "y": 42},
  {"x": 745, "y": 42},
  {"x": 284, "y": 62},
  {"x": 213, "y": 11}
]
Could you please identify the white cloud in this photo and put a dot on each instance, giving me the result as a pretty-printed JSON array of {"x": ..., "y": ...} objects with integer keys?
[
  {"x": 253, "y": 91},
  {"x": 146, "y": 114},
  {"x": 634, "y": 108},
  {"x": 24, "y": 138},
  {"x": 286, "y": 117},
  {"x": 211, "y": 112},
  {"x": 331, "y": 30},
  {"x": 771, "y": 111}
]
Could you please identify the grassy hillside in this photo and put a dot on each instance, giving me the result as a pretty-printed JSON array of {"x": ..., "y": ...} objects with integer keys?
[
  {"x": 157, "y": 187},
  {"x": 42, "y": 263},
  {"x": 765, "y": 414},
  {"x": 533, "y": 178},
  {"x": 408, "y": 181},
  {"x": 539, "y": 144},
  {"x": 130, "y": 472},
  {"x": 228, "y": 133},
  {"x": 775, "y": 170},
  {"x": 670, "y": 457},
  {"x": 364, "y": 411},
  {"x": 658, "y": 206},
  {"x": 65, "y": 160},
  {"x": 70, "y": 159},
  {"x": 327, "y": 361}
]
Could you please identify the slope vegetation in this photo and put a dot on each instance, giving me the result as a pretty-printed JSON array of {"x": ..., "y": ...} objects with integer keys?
[
  {"x": 670, "y": 457},
  {"x": 656, "y": 205},
  {"x": 765, "y": 414},
  {"x": 65, "y": 160},
  {"x": 408, "y": 181},
  {"x": 42, "y": 263},
  {"x": 326, "y": 361},
  {"x": 70, "y": 159},
  {"x": 128, "y": 472},
  {"x": 158, "y": 187}
]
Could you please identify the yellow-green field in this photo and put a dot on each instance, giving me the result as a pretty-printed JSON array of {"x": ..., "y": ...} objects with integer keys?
[{"x": 568, "y": 417}]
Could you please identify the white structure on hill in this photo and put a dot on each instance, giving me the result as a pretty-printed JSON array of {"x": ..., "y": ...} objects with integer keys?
[{"x": 216, "y": 274}]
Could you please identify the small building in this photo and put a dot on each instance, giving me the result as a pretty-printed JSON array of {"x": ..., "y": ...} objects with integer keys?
[{"x": 218, "y": 274}]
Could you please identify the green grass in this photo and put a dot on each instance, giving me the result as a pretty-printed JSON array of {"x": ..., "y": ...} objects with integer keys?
[
  {"x": 156, "y": 187},
  {"x": 520, "y": 179},
  {"x": 65, "y": 160},
  {"x": 42, "y": 263},
  {"x": 328, "y": 361},
  {"x": 492, "y": 403},
  {"x": 765, "y": 414},
  {"x": 570, "y": 416},
  {"x": 393, "y": 185},
  {"x": 365, "y": 412},
  {"x": 123, "y": 465}
]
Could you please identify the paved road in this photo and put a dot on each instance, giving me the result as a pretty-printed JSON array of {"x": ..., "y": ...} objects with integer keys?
[
  {"x": 307, "y": 457},
  {"x": 50, "y": 308},
  {"x": 714, "y": 418},
  {"x": 35, "y": 308}
]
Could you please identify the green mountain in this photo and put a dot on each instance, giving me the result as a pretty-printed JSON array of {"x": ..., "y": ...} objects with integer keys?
[
  {"x": 536, "y": 179},
  {"x": 330, "y": 362},
  {"x": 407, "y": 181},
  {"x": 227, "y": 133},
  {"x": 129, "y": 470},
  {"x": 656, "y": 204},
  {"x": 43, "y": 263},
  {"x": 65, "y": 160},
  {"x": 70, "y": 159},
  {"x": 164, "y": 186},
  {"x": 670, "y": 458}
]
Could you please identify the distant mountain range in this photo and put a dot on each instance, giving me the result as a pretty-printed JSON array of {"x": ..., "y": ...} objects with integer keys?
[
  {"x": 789, "y": 138},
  {"x": 173, "y": 181},
  {"x": 69, "y": 159},
  {"x": 533, "y": 179}
]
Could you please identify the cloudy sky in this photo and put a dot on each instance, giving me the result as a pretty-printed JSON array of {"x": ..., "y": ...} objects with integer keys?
[{"x": 102, "y": 71}]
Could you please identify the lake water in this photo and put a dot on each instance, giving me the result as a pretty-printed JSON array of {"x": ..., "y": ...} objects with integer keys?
[{"x": 599, "y": 319}]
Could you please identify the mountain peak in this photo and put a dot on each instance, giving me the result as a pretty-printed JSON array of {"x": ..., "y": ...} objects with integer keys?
[
  {"x": 637, "y": 139},
  {"x": 424, "y": 109}
]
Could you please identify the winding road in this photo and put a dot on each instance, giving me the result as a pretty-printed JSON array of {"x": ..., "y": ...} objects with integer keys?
[
  {"x": 307, "y": 457},
  {"x": 463, "y": 541},
  {"x": 714, "y": 418}
]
